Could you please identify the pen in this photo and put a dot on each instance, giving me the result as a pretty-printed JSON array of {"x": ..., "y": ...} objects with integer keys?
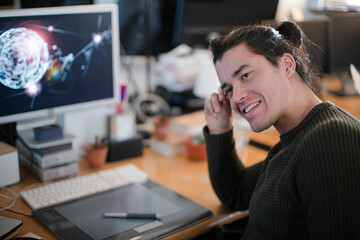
[{"x": 132, "y": 215}]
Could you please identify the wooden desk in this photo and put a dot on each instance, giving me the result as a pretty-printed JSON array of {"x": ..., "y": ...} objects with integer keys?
[{"x": 189, "y": 178}]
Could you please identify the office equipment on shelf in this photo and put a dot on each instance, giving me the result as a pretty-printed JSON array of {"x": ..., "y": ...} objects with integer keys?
[
  {"x": 81, "y": 202},
  {"x": 50, "y": 156},
  {"x": 9, "y": 165},
  {"x": 48, "y": 174},
  {"x": 48, "y": 132},
  {"x": 56, "y": 160},
  {"x": 9, "y": 227},
  {"x": 67, "y": 67}
]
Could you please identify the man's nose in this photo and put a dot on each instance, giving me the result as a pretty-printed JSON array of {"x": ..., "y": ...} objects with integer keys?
[{"x": 239, "y": 92}]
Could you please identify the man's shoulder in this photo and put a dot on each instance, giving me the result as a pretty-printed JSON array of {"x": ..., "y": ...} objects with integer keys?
[{"x": 334, "y": 121}]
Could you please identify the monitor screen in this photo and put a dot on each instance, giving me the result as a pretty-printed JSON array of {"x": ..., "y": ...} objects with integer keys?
[
  {"x": 201, "y": 17},
  {"x": 344, "y": 41},
  {"x": 53, "y": 60}
]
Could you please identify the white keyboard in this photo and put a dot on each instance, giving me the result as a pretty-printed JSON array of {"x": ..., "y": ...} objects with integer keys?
[{"x": 81, "y": 186}]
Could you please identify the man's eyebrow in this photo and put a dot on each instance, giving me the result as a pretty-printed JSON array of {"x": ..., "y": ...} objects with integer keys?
[{"x": 239, "y": 70}]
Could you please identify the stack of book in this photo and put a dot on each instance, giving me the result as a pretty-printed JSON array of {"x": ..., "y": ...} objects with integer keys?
[{"x": 50, "y": 162}]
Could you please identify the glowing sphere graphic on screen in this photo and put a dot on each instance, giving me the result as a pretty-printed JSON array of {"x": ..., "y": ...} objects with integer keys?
[{"x": 23, "y": 58}]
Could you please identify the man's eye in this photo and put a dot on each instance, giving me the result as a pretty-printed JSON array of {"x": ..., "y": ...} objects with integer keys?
[
  {"x": 246, "y": 75},
  {"x": 228, "y": 90}
]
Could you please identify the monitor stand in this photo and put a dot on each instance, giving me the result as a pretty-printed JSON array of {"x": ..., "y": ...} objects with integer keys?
[
  {"x": 33, "y": 123},
  {"x": 347, "y": 86}
]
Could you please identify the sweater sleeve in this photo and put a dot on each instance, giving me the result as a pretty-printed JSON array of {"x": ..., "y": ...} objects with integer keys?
[
  {"x": 328, "y": 180},
  {"x": 231, "y": 181}
]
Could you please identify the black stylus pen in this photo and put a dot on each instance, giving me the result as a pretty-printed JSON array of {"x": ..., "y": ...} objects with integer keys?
[{"x": 132, "y": 215}]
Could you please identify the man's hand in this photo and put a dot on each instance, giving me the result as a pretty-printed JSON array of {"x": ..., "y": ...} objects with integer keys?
[{"x": 218, "y": 113}]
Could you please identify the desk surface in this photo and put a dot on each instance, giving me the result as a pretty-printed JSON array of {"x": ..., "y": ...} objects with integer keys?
[{"x": 187, "y": 177}]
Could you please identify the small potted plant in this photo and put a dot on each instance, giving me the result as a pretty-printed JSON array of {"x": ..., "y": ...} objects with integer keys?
[
  {"x": 96, "y": 153},
  {"x": 162, "y": 126},
  {"x": 195, "y": 146}
]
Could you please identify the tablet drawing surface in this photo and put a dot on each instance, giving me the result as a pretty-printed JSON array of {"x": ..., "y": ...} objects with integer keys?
[{"x": 87, "y": 213}]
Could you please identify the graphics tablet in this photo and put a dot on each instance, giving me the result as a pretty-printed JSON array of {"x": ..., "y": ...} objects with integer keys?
[{"x": 83, "y": 218}]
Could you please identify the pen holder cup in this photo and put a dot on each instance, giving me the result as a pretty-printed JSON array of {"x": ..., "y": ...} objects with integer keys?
[{"x": 96, "y": 154}]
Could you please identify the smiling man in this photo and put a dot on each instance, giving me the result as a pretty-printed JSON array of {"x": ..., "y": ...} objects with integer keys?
[{"x": 307, "y": 187}]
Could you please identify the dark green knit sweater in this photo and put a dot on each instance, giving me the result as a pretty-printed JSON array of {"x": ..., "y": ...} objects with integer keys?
[{"x": 308, "y": 187}]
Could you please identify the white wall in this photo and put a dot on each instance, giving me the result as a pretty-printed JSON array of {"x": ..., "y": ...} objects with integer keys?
[{"x": 86, "y": 124}]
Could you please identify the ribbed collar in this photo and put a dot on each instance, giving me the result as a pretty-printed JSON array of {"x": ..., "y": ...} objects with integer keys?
[{"x": 287, "y": 137}]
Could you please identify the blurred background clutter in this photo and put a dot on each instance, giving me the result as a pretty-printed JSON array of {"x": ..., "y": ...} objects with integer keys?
[{"x": 167, "y": 67}]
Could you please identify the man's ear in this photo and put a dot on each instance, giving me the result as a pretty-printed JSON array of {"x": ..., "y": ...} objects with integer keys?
[{"x": 289, "y": 64}]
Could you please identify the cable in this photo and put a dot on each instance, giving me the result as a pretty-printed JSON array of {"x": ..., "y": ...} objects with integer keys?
[
  {"x": 149, "y": 106},
  {"x": 19, "y": 213},
  {"x": 13, "y": 198}
]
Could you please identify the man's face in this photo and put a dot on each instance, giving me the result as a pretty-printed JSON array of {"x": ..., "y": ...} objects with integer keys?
[{"x": 259, "y": 89}]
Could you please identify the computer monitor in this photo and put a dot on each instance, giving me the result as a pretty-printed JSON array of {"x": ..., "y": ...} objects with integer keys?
[
  {"x": 344, "y": 48},
  {"x": 54, "y": 60},
  {"x": 199, "y": 18},
  {"x": 344, "y": 41},
  {"x": 316, "y": 30}
]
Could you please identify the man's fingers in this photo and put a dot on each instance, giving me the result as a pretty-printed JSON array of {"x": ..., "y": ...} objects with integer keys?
[{"x": 215, "y": 102}]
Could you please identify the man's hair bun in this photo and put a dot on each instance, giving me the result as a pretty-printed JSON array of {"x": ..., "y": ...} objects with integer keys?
[{"x": 291, "y": 32}]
